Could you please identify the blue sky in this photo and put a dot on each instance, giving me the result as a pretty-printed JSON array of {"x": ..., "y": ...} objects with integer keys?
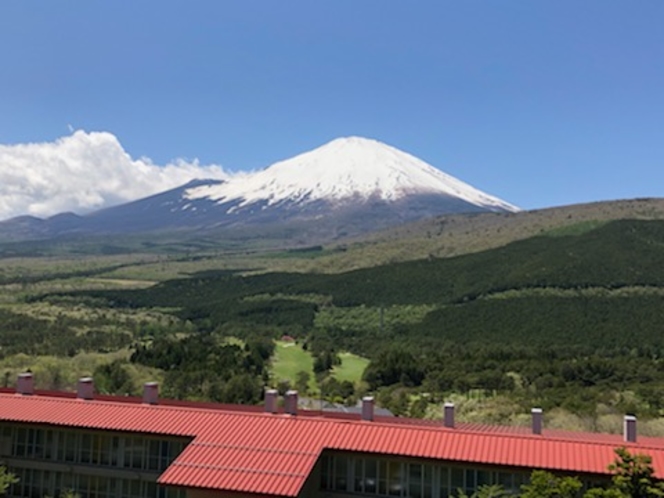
[{"x": 540, "y": 103}]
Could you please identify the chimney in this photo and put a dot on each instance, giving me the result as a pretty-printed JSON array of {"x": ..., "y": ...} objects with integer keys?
[
  {"x": 25, "y": 383},
  {"x": 448, "y": 415},
  {"x": 537, "y": 420},
  {"x": 271, "y": 400},
  {"x": 629, "y": 429},
  {"x": 290, "y": 402},
  {"x": 368, "y": 408},
  {"x": 86, "y": 388},
  {"x": 151, "y": 393}
]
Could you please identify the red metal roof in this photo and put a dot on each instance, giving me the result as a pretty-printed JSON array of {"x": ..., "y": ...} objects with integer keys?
[{"x": 272, "y": 454}]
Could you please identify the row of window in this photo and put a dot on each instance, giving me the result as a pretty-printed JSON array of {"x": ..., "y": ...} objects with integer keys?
[
  {"x": 139, "y": 453},
  {"x": 35, "y": 483},
  {"x": 376, "y": 476}
]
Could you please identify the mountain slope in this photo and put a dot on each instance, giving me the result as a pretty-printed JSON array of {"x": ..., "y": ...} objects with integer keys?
[
  {"x": 167, "y": 210},
  {"x": 349, "y": 186},
  {"x": 452, "y": 235},
  {"x": 343, "y": 171},
  {"x": 620, "y": 262}
]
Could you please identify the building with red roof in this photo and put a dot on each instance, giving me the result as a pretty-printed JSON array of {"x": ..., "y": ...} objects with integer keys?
[{"x": 121, "y": 447}]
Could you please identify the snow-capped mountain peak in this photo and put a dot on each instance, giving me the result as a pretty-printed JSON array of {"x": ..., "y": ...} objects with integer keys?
[
  {"x": 345, "y": 169},
  {"x": 347, "y": 187}
]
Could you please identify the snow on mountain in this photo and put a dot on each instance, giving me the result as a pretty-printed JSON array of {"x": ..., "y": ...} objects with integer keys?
[
  {"x": 347, "y": 187},
  {"x": 341, "y": 170}
]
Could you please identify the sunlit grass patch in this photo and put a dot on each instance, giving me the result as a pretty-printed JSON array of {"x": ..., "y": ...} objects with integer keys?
[
  {"x": 289, "y": 359},
  {"x": 351, "y": 369}
]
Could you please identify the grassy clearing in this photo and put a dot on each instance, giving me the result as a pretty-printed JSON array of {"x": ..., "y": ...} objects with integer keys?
[
  {"x": 114, "y": 283},
  {"x": 575, "y": 229},
  {"x": 289, "y": 359},
  {"x": 351, "y": 369}
]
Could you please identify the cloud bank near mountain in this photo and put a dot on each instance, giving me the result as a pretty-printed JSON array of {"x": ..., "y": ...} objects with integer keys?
[{"x": 82, "y": 172}]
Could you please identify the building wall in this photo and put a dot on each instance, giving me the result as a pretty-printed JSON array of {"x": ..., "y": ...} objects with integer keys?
[
  {"x": 350, "y": 474},
  {"x": 50, "y": 460}
]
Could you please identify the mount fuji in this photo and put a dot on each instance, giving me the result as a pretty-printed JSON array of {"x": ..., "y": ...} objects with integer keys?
[
  {"x": 344, "y": 171},
  {"x": 347, "y": 186}
]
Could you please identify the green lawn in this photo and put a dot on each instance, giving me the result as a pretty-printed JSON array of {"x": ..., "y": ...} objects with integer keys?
[
  {"x": 289, "y": 359},
  {"x": 351, "y": 368}
]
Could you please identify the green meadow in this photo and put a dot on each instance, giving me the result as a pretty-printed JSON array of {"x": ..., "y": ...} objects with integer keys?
[
  {"x": 290, "y": 358},
  {"x": 352, "y": 367}
]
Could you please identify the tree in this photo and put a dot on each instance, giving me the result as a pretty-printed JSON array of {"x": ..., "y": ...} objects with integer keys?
[
  {"x": 546, "y": 485},
  {"x": 6, "y": 479},
  {"x": 66, "y": 493},
  {"x": 283, "y": 386},
  {"x": 113, "y": 378},
  {"x": 633, "y": 475},
  {"x": 302, "y": 381},
  {"x": 69, "y": 493},
  {"x": 604, "y": 493},
  {"x": 393, "y": 366},
  {"x": 242, "y": 388},
  {"x": 486, "y": 491}
]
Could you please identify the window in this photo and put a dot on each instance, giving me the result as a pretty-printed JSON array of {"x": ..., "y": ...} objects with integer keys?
[
  {"x": 445, "y": 489},
  {"x": 484, "y": 477},
  {"x": 415, "y": 476},
  {"x": 471, "y": 481},
  {"x": 382, "y": 477},
  {"x": 456, "y": 480},
  {"x": 340, "y": 473},
  {"x": 154, "y": 454},
  {"x": 133, "y": 454},
  {"x": 67, "y": 447},
  {"x": 89, "y": 448},
  {"x": 131, "y": 489},
  {"x": 427, "y": 487},
  {"x": 20, "y": 441},
  {"x": 325, "y": 472},
  {"x": 395, "y": 478},
  {"x": 86, "y": 448},
  {"x": 108, "y": 450},
  {"x": 358, "y": 475},
  {"x": 400, "y": 478},
  {"x": 370, "y": 475}
]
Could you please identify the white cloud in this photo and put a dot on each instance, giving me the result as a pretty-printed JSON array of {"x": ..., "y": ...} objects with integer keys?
[{"x": 84, "y": 172}]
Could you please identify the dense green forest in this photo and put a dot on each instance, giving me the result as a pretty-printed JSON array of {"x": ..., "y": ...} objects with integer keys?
[
  {"x": 571, "y": 321},
  {"x": 567, "y": 320}
]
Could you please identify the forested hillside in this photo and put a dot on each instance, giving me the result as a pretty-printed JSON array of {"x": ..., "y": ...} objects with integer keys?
[{"x": 570, "y": 321}]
